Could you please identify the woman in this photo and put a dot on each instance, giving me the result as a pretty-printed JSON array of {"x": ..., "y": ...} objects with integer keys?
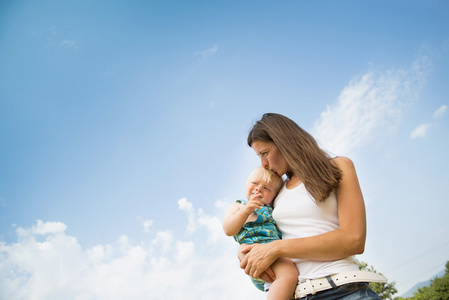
[{"x": 320, "y": 234}]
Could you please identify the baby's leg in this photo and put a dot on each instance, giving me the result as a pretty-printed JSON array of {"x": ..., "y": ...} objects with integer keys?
[
  {"x": 286, "y": 279},
  {"x": 258, "y": 283}
]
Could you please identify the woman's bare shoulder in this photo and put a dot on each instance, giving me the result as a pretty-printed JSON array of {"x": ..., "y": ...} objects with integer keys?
[{"x": 343, "y": 162}]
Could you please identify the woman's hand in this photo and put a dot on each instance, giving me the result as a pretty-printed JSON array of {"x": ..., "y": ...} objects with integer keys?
[{"x": 256, "y": 260}]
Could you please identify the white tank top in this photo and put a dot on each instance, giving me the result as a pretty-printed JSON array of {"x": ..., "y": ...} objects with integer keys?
[{"x": 297, "y": 216}]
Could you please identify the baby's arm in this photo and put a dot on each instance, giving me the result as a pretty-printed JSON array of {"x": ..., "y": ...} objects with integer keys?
[{"x": 237, "y": 215}]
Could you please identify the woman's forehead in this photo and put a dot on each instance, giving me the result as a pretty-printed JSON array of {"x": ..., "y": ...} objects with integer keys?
[{"x": 258, "y": 145}]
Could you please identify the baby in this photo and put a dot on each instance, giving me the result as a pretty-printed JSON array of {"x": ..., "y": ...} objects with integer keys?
[{"x": 251, "y": 222}]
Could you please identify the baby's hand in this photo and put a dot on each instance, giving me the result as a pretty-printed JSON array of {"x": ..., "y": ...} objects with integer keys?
[
  {"x": 255, "y": 195},
  {"x": 253, "y": 204}
]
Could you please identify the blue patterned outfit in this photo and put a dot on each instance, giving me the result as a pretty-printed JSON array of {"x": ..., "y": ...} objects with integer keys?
[{"x": 261, "y": 231}]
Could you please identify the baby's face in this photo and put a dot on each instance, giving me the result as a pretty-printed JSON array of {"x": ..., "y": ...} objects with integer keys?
[{"x": 257, "y": 187}]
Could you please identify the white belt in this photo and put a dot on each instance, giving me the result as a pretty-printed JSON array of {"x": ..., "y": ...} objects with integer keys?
[{"x": 312, "y": 286}]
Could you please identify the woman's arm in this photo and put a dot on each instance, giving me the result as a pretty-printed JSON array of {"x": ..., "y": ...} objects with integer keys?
[{"x": 348, "y": 240}]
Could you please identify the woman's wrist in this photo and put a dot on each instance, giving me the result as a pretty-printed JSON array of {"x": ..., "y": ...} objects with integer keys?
[{"x": 276, "y": 249}]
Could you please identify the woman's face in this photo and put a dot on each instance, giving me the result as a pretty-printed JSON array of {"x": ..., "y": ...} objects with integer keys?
[{"x": 270, "y": 157}]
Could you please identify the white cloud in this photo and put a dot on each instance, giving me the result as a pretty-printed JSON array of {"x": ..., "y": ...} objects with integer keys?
[
  {"x": 183, "y": 204},
  {"x": 69, "y": 44},
  {"x": 370, "y": 105},
  {"x": 420, "y": 131},
  {"x": 440, "y": 111},
  {"x": 200, "y": 219},
  {"x": 185, "y": 251},
  {"x": 186, "y": 206},
  {"x": 208, "y": 52},
  {"x": 222, "y": 204},
  {"x": 213, "y": 226},
  {"x": 147, "y": 224},
  {"x": 163, "y": 241},
  {"x": 161, "y": 268},
  {"x": 42, "y": 228},
  {"x": 99, "y": 253}
]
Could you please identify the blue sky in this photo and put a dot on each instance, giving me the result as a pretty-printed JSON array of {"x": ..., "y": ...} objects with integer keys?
[{"x": 123, "y": 128}]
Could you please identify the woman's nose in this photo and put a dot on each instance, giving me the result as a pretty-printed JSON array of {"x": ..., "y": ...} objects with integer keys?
[{"x": 264, "y": 162}]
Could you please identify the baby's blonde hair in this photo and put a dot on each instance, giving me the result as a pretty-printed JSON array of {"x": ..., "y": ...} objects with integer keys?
[{"x": 269, "y": 177}]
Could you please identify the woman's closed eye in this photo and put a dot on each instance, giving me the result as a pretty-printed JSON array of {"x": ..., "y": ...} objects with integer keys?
[{"x": 262, "y": 154}]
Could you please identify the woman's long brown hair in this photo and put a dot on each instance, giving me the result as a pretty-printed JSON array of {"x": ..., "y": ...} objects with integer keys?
[{"x": 311, "y": 164}]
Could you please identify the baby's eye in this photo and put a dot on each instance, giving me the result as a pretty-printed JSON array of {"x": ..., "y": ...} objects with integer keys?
[{"x": 266, "y": 188}]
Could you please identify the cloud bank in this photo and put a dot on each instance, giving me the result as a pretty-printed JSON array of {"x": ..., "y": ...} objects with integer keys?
[
  {"x": 370, "y": 104},
  {"x": 47, "y": 263}
]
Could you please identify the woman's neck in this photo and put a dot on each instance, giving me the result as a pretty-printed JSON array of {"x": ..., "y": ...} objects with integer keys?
[{"x": 293, "y": 182}]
